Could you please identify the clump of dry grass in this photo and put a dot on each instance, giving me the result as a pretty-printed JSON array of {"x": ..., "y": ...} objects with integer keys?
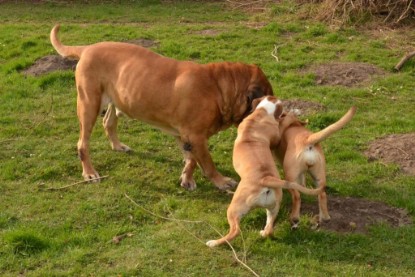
[{"x": 392, "y": 11}]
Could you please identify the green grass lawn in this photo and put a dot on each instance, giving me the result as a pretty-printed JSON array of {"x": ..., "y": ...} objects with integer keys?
[{"x": 69, "y": 232}]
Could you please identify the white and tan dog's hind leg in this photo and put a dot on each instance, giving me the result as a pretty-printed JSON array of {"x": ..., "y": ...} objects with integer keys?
[{"x": 110, "y": 122}]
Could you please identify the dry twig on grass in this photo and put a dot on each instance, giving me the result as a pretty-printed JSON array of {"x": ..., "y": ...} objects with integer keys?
[
  {"x": 119, "y": 238},
  {"x": 404, "y": 60},
  {"x": 179, "y": 221},
  {"x": 77, "y": 183}
]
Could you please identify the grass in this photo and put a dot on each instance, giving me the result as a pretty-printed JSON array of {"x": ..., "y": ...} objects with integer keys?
[{"x": 69, "y": 232}]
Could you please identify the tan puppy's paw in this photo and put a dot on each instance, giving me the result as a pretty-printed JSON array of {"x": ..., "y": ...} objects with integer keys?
[
  {"x": 265, "y": 233},
  {"x": 211, "y": 243},
  {"x": 91, "y": 177},
  {"x": 187, "y": 183},
  {"x": 324, "y": 218},
  {"x": 121, "y": 148},
  {"x": 295, "y": 223}
]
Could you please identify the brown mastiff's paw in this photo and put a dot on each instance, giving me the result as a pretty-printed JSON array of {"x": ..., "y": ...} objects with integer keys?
[
  {"x": 227, "y": 184},
  {"x": 187, "y": 183},
  {"x": 121, "y": 148}
]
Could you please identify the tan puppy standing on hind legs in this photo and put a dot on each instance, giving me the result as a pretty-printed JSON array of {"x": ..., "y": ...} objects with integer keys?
[
  {"x": 299, "y": 152},
  {"x": 187, "y": 100},
  {"x": 260, "y": 184}
]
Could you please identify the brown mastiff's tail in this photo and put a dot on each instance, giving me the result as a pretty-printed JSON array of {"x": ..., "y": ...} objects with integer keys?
[
  {"x": 329, "y": 130},
  {"x": 74, "y": 52},
  {"x": 274, "y": 182}
]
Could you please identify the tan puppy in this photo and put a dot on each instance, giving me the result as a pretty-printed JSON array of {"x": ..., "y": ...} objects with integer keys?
[
  {"x": 299, "y": 152},
  {"x": 260, "y": 184},
  {"x": 187, "y": 100}
]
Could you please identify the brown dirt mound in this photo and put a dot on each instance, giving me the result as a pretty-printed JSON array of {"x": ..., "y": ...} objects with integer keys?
[
  {"x": 398, "y": 149},
  {"x": 147, "y": 43},
  {"x": 49, "y": 64},
  {"x": 52, "y": 63},
  {"x": 301, "y": 107},
  {"x": 355, "y": 215},
  {"x": 345, "y": 74}
]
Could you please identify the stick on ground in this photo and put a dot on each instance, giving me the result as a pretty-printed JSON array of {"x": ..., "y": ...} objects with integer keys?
[{"x": 404, "y": 60}]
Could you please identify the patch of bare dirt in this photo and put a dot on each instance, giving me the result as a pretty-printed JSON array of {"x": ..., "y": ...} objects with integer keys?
[
  {"x": 398, "y": 149},
  {"x": 207, "y": 32},
  {"x": 301, "y": 107},
  {"x": 147, "y": 43},
  {"x": 249, "y": 6},
  {"x": 355, "y": 215},
  {"x": 52, "y": 63},
  {"x": 345, "y": 74},
  {"x": 49, "y": 64}
]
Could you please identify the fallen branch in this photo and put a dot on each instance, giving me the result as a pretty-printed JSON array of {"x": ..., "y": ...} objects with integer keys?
[
  {"x": 194, "y": 221},
  {"x": 119, "y": 238},
  {"x": 77, "y": 183},
  {"x": 404, "y": 60}
]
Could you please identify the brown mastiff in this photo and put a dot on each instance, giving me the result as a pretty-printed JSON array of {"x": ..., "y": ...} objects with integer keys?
[
  {"x": 187, "y": 100},
  {"x": 260, "y": 184}
]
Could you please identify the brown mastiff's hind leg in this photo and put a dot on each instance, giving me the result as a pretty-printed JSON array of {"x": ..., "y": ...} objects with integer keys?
[
  {"x": 110, "y": 122},
  {"x": 198, "y": 146},
  {"x": 87, "y": 109}
]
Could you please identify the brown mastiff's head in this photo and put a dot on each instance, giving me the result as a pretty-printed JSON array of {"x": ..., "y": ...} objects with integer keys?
[
  {"x": 239, "y": 85},
  {"x": 257, "y": 87}
]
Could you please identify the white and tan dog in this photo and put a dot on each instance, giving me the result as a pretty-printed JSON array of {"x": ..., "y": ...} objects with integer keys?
[
  {"x": 187, "y": 100},
  {"x": 260, "y": 184},
  {"x": 299, "y": 152}
]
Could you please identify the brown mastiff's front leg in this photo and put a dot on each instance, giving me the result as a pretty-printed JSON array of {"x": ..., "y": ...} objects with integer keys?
[
  {"x": 186, "y": 179},
  {"x": 196, "y": 148}
]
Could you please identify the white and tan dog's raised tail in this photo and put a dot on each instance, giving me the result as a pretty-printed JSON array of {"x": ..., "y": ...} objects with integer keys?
[
  {"x": 329, "y": 130},
  {"x": 74, "y": 52},
  {"x": 274, "y": 182}
]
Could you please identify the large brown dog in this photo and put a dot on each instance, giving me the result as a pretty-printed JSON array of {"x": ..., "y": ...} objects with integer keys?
[
  {"x": 299, "y": 152},
  {"x": 187, "y": 100},
  {"x": 260, "y": 184}
]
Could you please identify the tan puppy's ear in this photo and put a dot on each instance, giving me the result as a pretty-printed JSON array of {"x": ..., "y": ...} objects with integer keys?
[{"x": 255, "y": 103}]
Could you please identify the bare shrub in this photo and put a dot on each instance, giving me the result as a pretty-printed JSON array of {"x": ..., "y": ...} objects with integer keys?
[{"x": 392, "y": 11}]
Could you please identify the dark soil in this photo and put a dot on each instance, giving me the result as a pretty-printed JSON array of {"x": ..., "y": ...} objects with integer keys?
[
  {"x": 355, "y": 215},
  {"x": 398, "y": 149},
  {"x": 345, "y": 74}
]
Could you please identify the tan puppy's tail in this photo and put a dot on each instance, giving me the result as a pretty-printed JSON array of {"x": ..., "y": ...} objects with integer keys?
[
  {"x": 329, "y": 130},
  {"x": 74, "y": 52},
  {"x": 274, "y": 182}
]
